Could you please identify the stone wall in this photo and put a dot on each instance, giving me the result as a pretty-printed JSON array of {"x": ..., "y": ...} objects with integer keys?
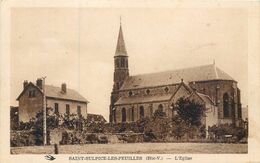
[
  {"x": 151, "y": 107},
  {"x": 29, "y": 106},
  {"x": 62, "y": 106},
  {"x": 216, "y": 89}
]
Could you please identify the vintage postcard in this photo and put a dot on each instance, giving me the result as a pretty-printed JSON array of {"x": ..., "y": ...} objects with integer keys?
[{"x": 153, "y": 81}]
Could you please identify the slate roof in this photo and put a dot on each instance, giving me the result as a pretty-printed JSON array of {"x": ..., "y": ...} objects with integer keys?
[
  {"x": 55, "y": 92},
  {"x": 120, "y": 48},
  {"x": 144, "y": 99},
  {"x": 200, "y": 73},
  {"x": 205, "y": 98},
  {"x": 152, "y": 97}
]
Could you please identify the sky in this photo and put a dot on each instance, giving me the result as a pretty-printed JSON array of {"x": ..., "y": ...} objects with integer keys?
[{"x": 77, "y": 45}]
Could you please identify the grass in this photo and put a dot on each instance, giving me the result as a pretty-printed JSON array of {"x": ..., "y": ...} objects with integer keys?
[{"x": 137, "y": 148}]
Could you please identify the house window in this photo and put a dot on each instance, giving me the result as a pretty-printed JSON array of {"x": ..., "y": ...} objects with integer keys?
[
  {"x": 79, "y": 110},
  {"x": 56, "y": 108},
  {"x": 141, "y": 111},
  {"x": 123, "y": 115},
  {"x": 147, "y": 91},
  {"x": 32, "y": 93},
  {"x": 226, "y": 106},
  {"x": 67, "y": 109}
]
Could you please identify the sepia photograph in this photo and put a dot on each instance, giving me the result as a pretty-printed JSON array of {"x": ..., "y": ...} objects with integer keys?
[{"x": 131, "y": 81}]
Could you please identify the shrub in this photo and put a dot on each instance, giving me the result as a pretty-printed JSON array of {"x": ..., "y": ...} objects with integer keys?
[{"x": 220, "y": 132}]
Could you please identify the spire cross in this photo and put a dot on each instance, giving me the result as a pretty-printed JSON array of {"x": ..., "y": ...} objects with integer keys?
[{"x": 120, "y": 20}]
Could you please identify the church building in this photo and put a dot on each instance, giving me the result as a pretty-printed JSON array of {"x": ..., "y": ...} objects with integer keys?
[{"x": 134, "y": 97}]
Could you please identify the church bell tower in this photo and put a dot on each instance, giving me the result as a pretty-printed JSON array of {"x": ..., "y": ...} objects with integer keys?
[
  {"x": 121, "y": 71},
  {"x": 120, "y": 62}
]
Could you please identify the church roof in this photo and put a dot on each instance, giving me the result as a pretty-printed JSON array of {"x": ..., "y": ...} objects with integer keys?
[
  {"x": 152, "y": 97},
  {"x": 120, "y": 48},
  {"x": 205, "y": 98},
  {"x": 200, "y": 73},
  {"x": 144, "y": 99}
]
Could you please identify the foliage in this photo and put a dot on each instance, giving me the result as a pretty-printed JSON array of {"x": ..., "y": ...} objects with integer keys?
[
  {"x": 159, "y": 113},
  {"x": 179, "y": 128},
  {"x": 22, "y": 138},
  {"x": 190, "y": 111},
  {"x": 238, "y": 133}
]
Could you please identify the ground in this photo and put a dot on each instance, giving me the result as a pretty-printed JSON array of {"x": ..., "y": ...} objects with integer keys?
[{"x": 137, "y": 148}]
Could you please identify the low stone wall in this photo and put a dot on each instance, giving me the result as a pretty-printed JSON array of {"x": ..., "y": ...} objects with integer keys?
[
  {"x": 62, "y": 136},
  {"x": 33, "y": 150}
]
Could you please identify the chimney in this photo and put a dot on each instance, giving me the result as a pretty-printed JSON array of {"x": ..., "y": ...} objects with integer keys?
[
  {"x": 39, "y": 82},
  {"x": 25, "y": 83},
  {"x": 63, "y": 88}
]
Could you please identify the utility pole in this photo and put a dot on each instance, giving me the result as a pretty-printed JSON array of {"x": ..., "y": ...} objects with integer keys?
[{"x": 44, "y": 113}]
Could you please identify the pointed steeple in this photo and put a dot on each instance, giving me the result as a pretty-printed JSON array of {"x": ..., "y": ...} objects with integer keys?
[{"x": 120, "y": 48}]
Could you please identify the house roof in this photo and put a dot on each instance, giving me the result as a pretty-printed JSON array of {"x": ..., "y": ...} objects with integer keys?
[
  {"x": 200, "y": 73},
  {"x": 55, "y": 92}
]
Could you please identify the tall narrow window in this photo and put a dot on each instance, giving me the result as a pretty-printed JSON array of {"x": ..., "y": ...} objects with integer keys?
[
  {"x": 160, "y": 107},
  {"x": 141, "y": 111},
  {"x": 117, "y": 63},
  {"x": 32, "y": 93},
  {"x": 67, "y": 109},
  {"x": 56, "y": 108},
  {"x": 122, "y": 62},
  {"x": 114, "y": 114},
  {"x": 226, "y": 107},
  {"x": 123, "y": 115},
  {"x": 79, "y": 110},
  {"x": 132, "y": 114}
]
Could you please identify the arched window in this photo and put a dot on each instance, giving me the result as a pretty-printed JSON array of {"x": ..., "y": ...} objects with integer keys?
[
  {"x": 226, "y": 107},
  {"x": 160, "y": 107},
  {"x": 117, "y": 63},
  {"x": 123, "y": 115},
  {"x": 123, "y": 62},
  {"x": 114, "y": 114},
  {"x": 141, "y": 111},
  {"x": 147, "y": 91},
  {"x": 132, "y": 114},
  {"x": 130, "y": 93}
]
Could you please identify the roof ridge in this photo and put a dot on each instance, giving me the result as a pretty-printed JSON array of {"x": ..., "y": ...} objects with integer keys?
[
  {"x": 216, "y": 72},
  {"x": 169, "y": 70}
]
